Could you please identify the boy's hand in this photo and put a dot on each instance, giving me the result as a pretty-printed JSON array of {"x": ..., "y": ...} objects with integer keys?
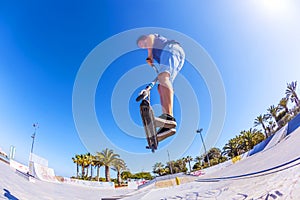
[{"x": 149, "y": 61}]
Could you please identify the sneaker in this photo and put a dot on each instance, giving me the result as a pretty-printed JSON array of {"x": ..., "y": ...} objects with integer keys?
[
  {"x": 166, "y": 121},
  {"x": 163, "y": 133}
]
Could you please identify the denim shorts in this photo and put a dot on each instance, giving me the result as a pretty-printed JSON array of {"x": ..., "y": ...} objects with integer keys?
[{"x": 171, "y": 60}]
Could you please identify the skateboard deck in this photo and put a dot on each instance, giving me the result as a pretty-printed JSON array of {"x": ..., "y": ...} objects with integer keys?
[{"x": 148, "y": 119}]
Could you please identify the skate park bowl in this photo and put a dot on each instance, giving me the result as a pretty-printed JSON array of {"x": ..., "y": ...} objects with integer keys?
[{"x": 271, "y": 170}]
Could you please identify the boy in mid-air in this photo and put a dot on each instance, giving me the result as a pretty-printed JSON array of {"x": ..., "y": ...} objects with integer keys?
[{"x": 170, "y": 57}]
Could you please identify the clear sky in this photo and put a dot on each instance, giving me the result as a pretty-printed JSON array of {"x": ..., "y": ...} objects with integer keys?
[{"x": 255, "y": 45}]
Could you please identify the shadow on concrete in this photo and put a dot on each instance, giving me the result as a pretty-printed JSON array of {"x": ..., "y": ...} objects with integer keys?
[{"x": 9, "y": 196}]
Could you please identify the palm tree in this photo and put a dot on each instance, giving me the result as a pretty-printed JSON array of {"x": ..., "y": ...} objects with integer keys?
[
  {"x": 176, "y": 166},
  {"x": 258, "y": 137},
  {"x": 291, "y": 93},
  {"x": 197, "y": 161},
  {"x": 158, "y": 168},
  {"x": 283, "y": 104},
  {"x": 82, "y": 163},
  {"x": 248, "y": 139},
  {"x": 271, "y": 127},
  {"x": 180, "y": 164},
  {"x": 231, "y": 149},
  {"x": 98, "y": 163},
  {"x": 214, "y": 155},
  {"x": 251, "y": 138},
  {"x": 188, "y": 159},
  {"x": 170, "y": 167},
  {"x": 283, "y": 115},
  {"x": 76, "y": 160},
  {"x": 87, "y": 163},
  {"x": 119, "y": 165},
  {"x": 260, "y": 120},
  {"x": 92, "y": 162},
  {"x": 108, "y": 157},
  {"x": 273, "y": 113}
]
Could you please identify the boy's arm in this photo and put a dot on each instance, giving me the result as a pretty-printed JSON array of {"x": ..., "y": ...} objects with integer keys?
[{"x": 150, "y": 42}]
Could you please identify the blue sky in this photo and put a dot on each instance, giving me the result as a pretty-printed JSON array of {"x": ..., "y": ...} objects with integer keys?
[{"x": 254, "y": 44}]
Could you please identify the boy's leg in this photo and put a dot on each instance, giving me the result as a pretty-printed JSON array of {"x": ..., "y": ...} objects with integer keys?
[
  {"x": 166, "y": 93},
  {"x": 171, "y": 63}
]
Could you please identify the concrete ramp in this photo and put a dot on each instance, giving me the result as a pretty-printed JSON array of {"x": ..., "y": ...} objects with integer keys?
[
  {"x": 273, "y": 173},
  {"x": 44, "y": 173},
  {"x": 38, "y": 168}
]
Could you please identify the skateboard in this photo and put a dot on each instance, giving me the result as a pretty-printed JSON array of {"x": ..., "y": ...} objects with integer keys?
[
  {"x": 147, "y": 115},
  {"x": 148, "y": 119}
]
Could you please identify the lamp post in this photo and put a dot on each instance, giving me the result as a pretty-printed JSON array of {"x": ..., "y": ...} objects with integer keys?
[
  {"x": 199, "y": 131},
  {"x": 35, "y": 126},
  {"x": 170, "y": 162}
]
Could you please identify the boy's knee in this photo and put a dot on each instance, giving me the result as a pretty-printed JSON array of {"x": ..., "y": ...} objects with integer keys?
[
  {"x": 164, "y": 80},
  {"x": 163, "y": 75}
]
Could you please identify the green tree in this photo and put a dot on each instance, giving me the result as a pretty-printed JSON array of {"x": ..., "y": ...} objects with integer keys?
[
  {"x": 272, "y": 113},
  {"x": 261, "y": 120},
  {"x": 77, "y": 161},
  {"x": 214, "y": 155},
  {"x": 197, "y": 160},
  {"x": 142, "y": 175},
  {"x": 82, "y": 163},
  {"x": 258, "y": 137},
  {"x": 119, "y": 165},
  {"x": 197, "y": 166},
  {"x": 283, "y": 112},
  {"x": 291, "y": 93},
  {"x": 158, "y": 168},
  {"x": 189, "y": 159},
  {"x": 177, "y": 166},
  {"x": 181, "y": 165},
  {"x": 90, "y": 163},
  {"x": 93, "y": 164},
  {"x": 98, "y": 163},
  {"x": 126, "y": 175},
  {"x": 231, "y": 149},
  {"x": 108, "y": 157},
  {"x": 271, "y": 127},
  {"x": 170, "y": 167},
  {"x": 250, "y": 138},
  {"x": 87, "y": 163},
  {"x": 283, "y": 105}
]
